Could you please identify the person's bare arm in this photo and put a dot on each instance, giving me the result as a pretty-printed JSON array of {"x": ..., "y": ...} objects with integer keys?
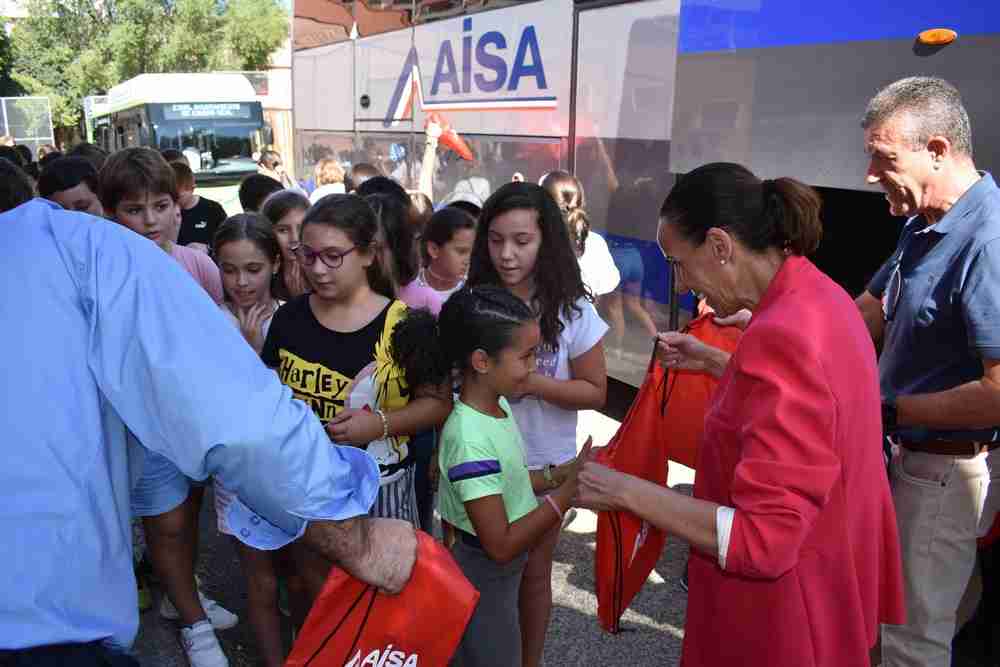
[
  {"x": 380, "y": 552},
  {"x": 968, "y": 406},
  {"x": 601, "y": 488},
  {"x": 503, "y": 541},
  {"x": 871, "y": 311},
  {"x": 429, "y": 407},
  {"x": 586, "y": 390},
  {"x": 429, "y": 163},
  {"x": 682, "y": 351}
]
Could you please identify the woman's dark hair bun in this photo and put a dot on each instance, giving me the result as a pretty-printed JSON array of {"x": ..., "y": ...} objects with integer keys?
[{"x": 781, "y": 213}]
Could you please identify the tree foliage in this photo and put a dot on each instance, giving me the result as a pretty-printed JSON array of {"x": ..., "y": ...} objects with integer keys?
[
  {"x": 253, "y": 29},
  {"x": 7, "y": 85},
  {"x": 69, "y": 49}
]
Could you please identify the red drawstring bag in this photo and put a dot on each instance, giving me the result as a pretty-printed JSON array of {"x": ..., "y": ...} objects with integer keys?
[
  {"x": 687, "y": 393},
  {"x": 665, "y": 421},
  {"x": 627, "y": 546},
  {"x": 351, "y": 624}
]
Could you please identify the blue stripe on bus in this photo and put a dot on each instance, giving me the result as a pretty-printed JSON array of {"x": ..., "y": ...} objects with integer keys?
[{"x": 723, "y": 25}]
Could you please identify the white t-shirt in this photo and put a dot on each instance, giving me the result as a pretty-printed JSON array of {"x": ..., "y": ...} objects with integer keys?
[
  {"x": 597, "y": 267},
  {"x": 549, "y": 431}
]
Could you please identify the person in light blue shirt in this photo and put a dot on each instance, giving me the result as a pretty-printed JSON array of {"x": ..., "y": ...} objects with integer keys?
[{"x": 97, "y": 326}]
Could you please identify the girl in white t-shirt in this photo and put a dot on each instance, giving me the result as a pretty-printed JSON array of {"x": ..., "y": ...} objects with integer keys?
[
  {"x": 522, "y": 243},
  {"x": 249, "y": 258}
]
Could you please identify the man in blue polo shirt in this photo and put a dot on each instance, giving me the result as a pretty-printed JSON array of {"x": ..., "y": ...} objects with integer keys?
[
  {"x": 935, "y": 306},
  {"x": 94, "y": 317}
]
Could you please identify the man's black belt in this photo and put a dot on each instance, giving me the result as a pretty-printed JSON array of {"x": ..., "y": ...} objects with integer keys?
[{"x": 949, "y": 447}]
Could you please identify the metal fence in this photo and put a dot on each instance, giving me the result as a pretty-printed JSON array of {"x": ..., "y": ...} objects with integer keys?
[{"x": 28, "y": 120}]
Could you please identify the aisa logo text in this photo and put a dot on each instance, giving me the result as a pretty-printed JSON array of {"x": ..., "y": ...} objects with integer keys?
[
  {"x": 481, "y": 76},
  {"x": 384, "y": 658}
]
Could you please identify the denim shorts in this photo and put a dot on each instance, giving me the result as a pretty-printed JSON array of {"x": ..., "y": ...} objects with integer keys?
[
  {"x": 161, "y": 487},
  {"x": 628, "y": 259}
]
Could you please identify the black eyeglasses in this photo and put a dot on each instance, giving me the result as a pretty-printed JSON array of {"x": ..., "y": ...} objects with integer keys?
[
  {"x": 893, "y": 291},
  {"x": 329, "y": 257}
]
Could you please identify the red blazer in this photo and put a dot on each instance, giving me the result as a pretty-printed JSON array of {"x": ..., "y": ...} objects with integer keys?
[{"x": 793, "y": 441}]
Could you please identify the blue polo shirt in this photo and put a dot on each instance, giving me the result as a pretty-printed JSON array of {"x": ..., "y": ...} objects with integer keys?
[{"x": 946, "y": 319}]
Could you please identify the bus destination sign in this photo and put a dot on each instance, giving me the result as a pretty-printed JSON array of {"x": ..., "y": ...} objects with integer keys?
[{"x": 206, "y": 110}]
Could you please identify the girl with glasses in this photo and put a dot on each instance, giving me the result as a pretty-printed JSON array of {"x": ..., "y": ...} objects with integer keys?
[{"x": 331, "y": 347}]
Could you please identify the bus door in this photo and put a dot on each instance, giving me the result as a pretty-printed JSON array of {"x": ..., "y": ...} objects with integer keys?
[
  {"x": 625, "y": 82},
  {"x": 384, "y": 100}
]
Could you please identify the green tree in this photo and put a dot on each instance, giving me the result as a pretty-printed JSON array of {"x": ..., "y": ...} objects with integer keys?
[
  {"x": 255, "y": 29},
  {"x": 7, "y": 85},
  {"x": 138, "y": 33},
  {"x": 69, "y": 49},
  {"x": 196, "y": 32}
]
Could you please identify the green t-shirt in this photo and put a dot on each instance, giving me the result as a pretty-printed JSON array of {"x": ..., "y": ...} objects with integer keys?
[{"x": 482, "y": 456}]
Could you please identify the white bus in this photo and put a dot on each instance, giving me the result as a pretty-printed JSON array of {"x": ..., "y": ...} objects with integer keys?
[
  {"x": 215, "y": 119},
  {"x": 627, "y": 95}
]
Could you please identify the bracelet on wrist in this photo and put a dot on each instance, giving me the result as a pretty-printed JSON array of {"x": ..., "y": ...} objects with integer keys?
[
  {"x": 555, "y": 507},
  {"x": 385, "y": 424}
]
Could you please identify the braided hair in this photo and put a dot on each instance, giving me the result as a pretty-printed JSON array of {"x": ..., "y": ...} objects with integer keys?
[
  {"x": 473, "y": 318},
  {"x": 567, "y": 190}
]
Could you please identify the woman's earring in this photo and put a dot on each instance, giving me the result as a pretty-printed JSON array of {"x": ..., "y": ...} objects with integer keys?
[{"x": 722, "y": 261}]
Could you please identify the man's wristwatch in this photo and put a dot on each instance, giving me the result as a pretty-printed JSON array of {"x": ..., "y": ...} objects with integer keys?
[{"x": 889, "y": 414}]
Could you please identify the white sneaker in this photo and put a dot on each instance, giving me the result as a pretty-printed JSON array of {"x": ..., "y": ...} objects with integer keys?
[
  {"x": 202, "y": 646},
  {"x": 221, "y": 618}
]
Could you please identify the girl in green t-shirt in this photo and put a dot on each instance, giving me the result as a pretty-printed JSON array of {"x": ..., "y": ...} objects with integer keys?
[{"x": 487, "y": 492}]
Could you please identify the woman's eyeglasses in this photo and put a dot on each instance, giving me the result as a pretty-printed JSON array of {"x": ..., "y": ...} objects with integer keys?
[{"x": 329, "y": 257}]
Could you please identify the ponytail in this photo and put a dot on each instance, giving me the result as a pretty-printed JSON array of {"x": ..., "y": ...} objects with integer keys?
[
  {"x": 416, "y": 347},
  {"x": 568, "y": 193},
  {"x": 578, "y": 225},
  {"x": 781, "y": 213},
  {"x": 791, "y": 212}
]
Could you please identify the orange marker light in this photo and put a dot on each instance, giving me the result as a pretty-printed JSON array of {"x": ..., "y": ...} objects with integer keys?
[{"x": 937, "y": 36}]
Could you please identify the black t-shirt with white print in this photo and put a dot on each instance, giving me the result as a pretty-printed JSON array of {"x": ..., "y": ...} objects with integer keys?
[
  {"x": 200, "y": 222},
  {"x": 318, "y": 364}
]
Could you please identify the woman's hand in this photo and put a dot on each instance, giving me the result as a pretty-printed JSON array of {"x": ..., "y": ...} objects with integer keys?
[
  {"x": 295, "y": 279},
  {"x": 739, "y": 319},
  {"x": 354, "y": 426},
  {"x": 685, "y": 352},
  {"x": 250, "y": 321},
  {"x": 601, "y": 488}
]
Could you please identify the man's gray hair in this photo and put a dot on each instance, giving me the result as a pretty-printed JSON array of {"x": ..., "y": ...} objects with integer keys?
[{"x": 934, "y": 105}]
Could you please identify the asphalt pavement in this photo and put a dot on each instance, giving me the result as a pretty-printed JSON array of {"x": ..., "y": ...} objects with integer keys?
[{"x": 652, "y": 627}]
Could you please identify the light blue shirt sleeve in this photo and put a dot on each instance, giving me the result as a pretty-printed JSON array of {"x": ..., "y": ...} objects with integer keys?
[{"x": 186, "y": 384}]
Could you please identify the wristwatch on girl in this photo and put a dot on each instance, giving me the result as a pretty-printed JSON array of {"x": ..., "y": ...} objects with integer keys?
[{"x": 547, "y": 474}]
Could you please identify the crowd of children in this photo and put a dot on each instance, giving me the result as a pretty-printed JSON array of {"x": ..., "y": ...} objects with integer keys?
[{"x": 455, "y": 344}]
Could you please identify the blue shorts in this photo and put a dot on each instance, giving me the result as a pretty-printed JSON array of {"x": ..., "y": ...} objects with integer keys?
[
  {"x": 628, "y": 259},
  {"x": 161, "y": 486}
]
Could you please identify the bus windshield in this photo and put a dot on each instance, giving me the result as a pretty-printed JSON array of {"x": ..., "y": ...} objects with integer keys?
[
  {"x": 225, "y": 136},
  {"x": 226, "y": 141}
]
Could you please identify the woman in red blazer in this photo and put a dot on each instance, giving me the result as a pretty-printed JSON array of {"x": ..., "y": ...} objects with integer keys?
[{"x": 795, "y": 557}]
